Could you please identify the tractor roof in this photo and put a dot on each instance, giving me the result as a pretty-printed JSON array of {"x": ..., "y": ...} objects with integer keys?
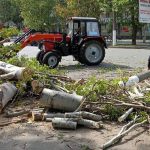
[{"x": 83, "y": 18}]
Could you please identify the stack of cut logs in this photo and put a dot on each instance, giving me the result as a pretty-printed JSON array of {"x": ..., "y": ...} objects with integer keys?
[{"x": 69, "y": 120}]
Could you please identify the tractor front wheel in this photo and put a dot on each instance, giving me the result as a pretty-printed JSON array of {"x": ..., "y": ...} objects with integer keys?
[
  {"x": 39, "y": 56},
  {"x": 92, "y": 53},
  {"x": 51, "y": 59}
]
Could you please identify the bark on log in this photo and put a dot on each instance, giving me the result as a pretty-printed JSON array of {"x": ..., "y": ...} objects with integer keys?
[
  {"x": 81, "y": 114},
  {"x": 13, "y": 72},
  {"x": 60, "y": 100},
  {"x": 62, "y": 123},
  {"x": 7, "y": 91},
  {"x": 84, "y": 115},
  {"x": 53, "y": 115},
  {"x": 87, "y": 123}
]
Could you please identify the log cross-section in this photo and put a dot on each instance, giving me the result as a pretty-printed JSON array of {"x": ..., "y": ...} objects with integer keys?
[{"x": 9, "y": 71}]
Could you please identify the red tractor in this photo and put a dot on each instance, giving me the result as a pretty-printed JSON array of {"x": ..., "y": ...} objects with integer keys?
[{"x": 83, "y": 40}]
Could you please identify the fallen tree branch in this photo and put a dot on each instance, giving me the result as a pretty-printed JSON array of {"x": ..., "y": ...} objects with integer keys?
[
  {"x": 122, "y": 134},
  {"x": 84, "y": 115},
  {"x": 125, "y": 115},
  {"x": 63, "y": 78},
  {"x": 2, "y": 124},
  {"x": 16, "y": 114}
]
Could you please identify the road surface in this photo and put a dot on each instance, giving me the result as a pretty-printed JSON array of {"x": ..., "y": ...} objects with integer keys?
[{"x": 115, "y": 59}]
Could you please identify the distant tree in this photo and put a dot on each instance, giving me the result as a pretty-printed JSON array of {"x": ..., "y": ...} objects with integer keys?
[
  {"x": 9, "y": 11},
  {"x": 37, "y": 14},
  {"x": 127, "y": 13},
  {"x": 88, "y": 8}
]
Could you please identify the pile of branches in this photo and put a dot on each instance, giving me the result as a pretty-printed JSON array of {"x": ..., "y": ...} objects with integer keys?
[{"x": 60, "y": 101}]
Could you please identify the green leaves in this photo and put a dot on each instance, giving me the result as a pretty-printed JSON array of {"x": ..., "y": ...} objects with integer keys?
[
  {"x": 8, "y": 32},
  {"x": 8, "y": 52},
  {"x": 9, "y": 11},
  {"x": 37, "y": 14}
]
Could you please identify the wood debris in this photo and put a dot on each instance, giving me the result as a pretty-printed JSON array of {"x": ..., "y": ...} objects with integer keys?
[{"x": 68, "y": 110}]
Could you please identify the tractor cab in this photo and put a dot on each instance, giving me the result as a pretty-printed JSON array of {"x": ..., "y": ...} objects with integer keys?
[{"x": 81, "y": 27}]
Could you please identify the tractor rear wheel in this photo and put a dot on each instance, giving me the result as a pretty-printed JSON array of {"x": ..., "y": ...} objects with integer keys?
[
  {"x": 51, "y": 59},
  {"x": 39, "y": 56},
  {"x": 92, "y": 53}
]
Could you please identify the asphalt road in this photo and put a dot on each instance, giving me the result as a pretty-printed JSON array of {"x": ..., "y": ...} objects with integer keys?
[{"x": 133, "y": 58}]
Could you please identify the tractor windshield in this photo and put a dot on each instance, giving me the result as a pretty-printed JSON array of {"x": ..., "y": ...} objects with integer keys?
[{"x": 92, "y": 29}]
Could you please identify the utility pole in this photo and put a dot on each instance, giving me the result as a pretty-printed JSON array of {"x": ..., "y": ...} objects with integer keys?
[{"x": 114, "y": 29}]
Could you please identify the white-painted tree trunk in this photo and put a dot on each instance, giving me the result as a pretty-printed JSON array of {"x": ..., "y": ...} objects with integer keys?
[
  {"x": 136, "y": 79},
  {"x": 114, "y": 38}
]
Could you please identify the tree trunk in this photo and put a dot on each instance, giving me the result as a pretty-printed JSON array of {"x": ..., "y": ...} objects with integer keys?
[
  {"x": 134, "y": 27},
  {"x": 9, "y": 71},
  {"x": 144, "y": 34},
  {"x": 60, "y": 100},
  {"x": 134, "y": 32},
  {"x": 7, "y": 91}
]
